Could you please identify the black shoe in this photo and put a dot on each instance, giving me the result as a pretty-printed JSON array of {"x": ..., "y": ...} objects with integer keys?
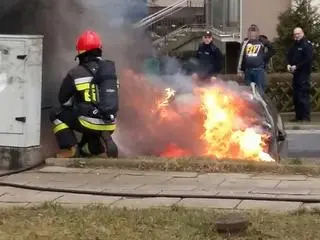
[{"x": 111, "y": 149}]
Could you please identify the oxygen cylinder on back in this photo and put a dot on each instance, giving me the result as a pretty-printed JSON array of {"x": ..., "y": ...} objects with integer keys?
[{"x": 106, "y": 85}]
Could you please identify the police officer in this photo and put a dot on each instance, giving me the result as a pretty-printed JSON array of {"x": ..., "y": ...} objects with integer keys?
[
  {"x": 80, "y": 109},
  {"x": 255, "y": 54},
  {"x": 210, "y": 58},
  {"x": 299, "y": 64}
]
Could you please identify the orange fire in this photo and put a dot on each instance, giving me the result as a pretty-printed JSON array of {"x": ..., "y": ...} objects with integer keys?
[
  {"x": 219, "y": 124},
  {"x": 224, "y": 136},
  {"x": 221, "y": 136}
]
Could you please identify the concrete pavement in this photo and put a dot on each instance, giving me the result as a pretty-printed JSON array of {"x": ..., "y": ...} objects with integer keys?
[{"x": 186, "y": 189}]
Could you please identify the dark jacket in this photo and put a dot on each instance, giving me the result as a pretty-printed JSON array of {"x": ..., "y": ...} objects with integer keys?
[
  {"x": 210, "y": 59},
  {"x": 77, "y": 91},
  {"x": 301, "y": 55},
  {"x": 257, "y": 53}
]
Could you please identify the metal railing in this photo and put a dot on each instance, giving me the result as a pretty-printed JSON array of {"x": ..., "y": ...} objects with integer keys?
[
  {"x": 185, "y": 19},
  {"x": 197, "y": 28},
  {"x": 167, "y": 11}
]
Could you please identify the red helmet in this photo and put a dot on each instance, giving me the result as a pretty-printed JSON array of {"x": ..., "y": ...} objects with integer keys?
[{"x": 87, "y": 41}]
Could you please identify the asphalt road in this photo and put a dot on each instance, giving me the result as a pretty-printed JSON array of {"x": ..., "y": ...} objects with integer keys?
[{"x": 303, "y": 143}]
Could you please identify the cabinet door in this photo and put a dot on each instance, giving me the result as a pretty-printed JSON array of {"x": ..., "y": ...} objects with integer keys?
[{"x": 12, "y": 86}]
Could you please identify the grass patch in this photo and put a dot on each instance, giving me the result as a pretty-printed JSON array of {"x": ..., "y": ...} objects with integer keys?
[
  {"x": 99, "y": 223},
  {"x": 289, "y": 166}
]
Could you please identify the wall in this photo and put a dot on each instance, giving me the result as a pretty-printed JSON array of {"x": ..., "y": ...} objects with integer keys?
[{"x": 264, "y": 14}]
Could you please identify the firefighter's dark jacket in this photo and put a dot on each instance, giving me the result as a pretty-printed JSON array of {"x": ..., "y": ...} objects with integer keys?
[
  {"x": 76, "y": 90},
  {"x": 210, "y": 59},
  {"x": 301, "y": 55},
  {"x": 260, "y": 59}
]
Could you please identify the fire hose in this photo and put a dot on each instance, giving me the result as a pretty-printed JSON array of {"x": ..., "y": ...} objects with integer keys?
[{"x": 146, "y": 195}]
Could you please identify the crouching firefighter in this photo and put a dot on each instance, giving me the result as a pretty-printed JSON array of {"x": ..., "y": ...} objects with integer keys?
[{"x": 89, "y": 103}]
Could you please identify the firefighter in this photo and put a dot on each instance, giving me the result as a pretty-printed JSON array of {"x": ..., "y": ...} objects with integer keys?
[
  {"x": 299, "y": 60},
  {"x": 82, "y": 108},
  {"x": 255, "y": 54},
  {"x": 210, "y": 58}
]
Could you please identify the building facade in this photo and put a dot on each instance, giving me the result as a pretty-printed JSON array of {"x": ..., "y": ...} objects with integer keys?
[{"x": 227, "y": 19}]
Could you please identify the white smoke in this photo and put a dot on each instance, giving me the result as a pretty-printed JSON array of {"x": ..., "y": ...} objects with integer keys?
[{"x": 61, "y": 21}]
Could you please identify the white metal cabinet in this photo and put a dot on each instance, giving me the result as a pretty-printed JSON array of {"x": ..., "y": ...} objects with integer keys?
[{"x": 20, "y": 90}]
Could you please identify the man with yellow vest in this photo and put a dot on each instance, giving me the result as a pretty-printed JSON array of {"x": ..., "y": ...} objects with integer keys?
[{"x": 89, "y": 103}]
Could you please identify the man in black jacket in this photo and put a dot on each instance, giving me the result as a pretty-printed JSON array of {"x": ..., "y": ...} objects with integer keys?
[
  {"x": 210, "y": 58},
  {"x": 299, "y": 60},
  {"x": 82, "y": 108},
  {"x": 255, "y": 54}
]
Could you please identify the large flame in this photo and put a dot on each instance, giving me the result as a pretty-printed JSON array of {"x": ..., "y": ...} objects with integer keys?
[
  {"x": 225, "y": 134},
  {"x": 220, "y": 124},
  {"x": 222, "y": 136}
]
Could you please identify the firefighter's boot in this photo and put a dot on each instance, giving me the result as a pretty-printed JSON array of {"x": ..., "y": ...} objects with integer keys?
[{"x": 68, "y": 153}]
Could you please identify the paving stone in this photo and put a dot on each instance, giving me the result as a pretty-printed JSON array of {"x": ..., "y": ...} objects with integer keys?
[
  {"x": 209, "y": 203},
  {"x": 242, "y": 193},
  {"x": 57, "y": 184},
  {"x": 110, "y": 171},
  {"x": 4, "y": 190},
  {"x": 226, "y": 175},
  {"x": 315, "y": 192},
  {"x": 128, "y": 179},
  {"x": 297, "y": 185},
  {"x": 133, "y": 191},
  {"x": 189, "y": 193},
  {"x": 29, "y": 196},
  {"x": 269, "y": 205},
  {"x": 57, "y": 169},
  {"x": 196, "y": 181},
  {"x": 86, "y": 199},
  {"x": 103, "y": 187},
  {"x": 167, "y": 187},
  {"x": 280, "y": 177},
  {"x": 171, "y": 174},
  {"x": 121, "y": 187},
  {"x": 244, "y": 183},
  {"x": 313, "y": 179},
  {"x": 26, "y": 178},
  {"x": 145, "y": 202},
  {"x": 129, "y": 172},
  {"x": 284, "y": 197},
  {"x": 277, "y": 191},
  {"x": 92, "y": 186}
]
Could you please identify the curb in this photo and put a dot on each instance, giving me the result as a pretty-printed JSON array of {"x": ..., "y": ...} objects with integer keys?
[
  {"x": 302, "y": 126},
  {"x": 290, "y": 166}
]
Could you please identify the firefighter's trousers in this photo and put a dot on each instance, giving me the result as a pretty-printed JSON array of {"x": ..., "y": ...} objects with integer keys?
[{"x": 66, "y": 120}]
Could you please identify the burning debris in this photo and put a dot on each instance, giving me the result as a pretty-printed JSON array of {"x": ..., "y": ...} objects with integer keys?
[{"x": 217, "y": 122}]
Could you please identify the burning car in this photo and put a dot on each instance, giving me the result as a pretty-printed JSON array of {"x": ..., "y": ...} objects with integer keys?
[
  {"x": 222, "y": 120},
  {"x": 237, "y": 121}
]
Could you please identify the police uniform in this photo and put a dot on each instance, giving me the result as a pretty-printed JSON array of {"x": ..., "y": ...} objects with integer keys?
[
  {"x": 210, "y": 59},
  {"x": 79, "y": 110},
  {"x": 300, "y": 55},
  {"x": 255, "y": 56}
]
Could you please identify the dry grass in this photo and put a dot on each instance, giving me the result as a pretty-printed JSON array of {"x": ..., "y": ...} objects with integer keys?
[
  {"x": 100, "y": 223},
  {"x": 291, "y": 166}
]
